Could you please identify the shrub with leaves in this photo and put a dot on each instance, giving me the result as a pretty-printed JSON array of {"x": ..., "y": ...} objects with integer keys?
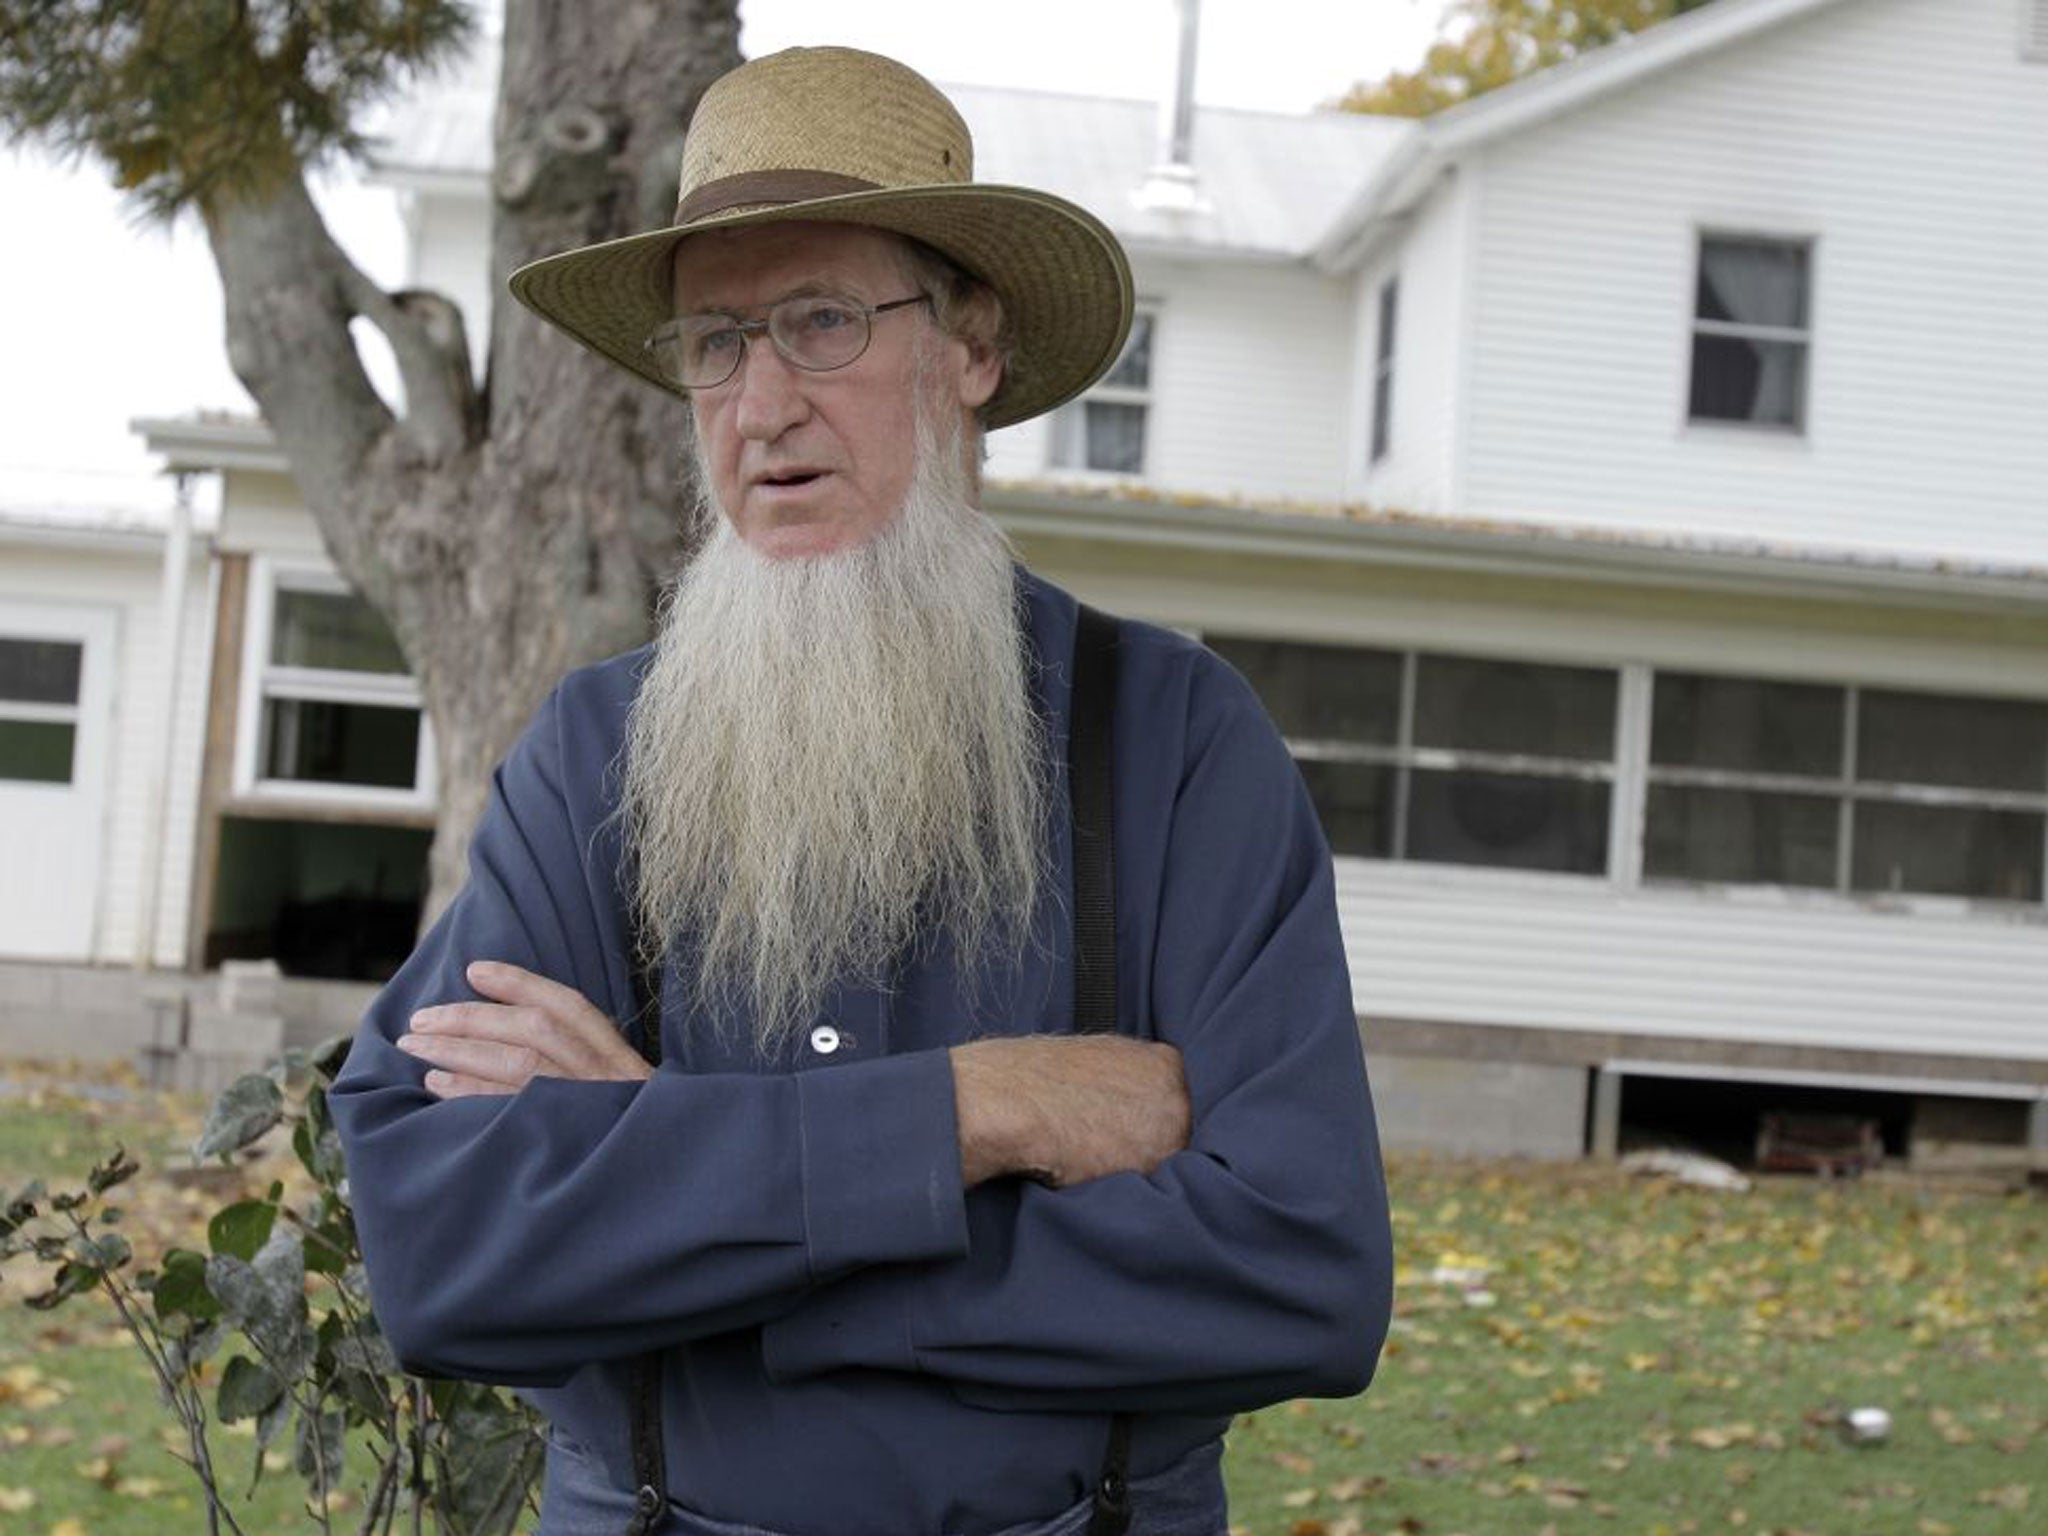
[{"x": 280, "y": 1301}]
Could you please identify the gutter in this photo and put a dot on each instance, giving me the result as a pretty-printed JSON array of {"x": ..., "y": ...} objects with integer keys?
[{"x": 1509, "y": 550}]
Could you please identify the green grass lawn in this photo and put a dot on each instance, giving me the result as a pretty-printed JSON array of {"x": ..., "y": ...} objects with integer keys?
[
  {"x": 1573, "y": 1352},
  {"x": 1656, "y": 1359}
]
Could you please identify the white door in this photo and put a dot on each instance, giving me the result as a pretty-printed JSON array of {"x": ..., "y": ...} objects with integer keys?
[{"x": 56, "y": 686}]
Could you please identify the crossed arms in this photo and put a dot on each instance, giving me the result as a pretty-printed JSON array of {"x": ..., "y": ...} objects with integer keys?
[
  {"x": 1218, "y": 1238},
  {"x": 1060, "y": 1109}
]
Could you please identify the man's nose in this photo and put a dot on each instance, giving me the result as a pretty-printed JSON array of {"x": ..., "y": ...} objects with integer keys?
[{"x": 771, "y": 397}]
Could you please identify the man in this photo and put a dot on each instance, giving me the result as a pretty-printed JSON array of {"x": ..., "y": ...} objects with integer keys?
[{"x": 907, "y": 1244}]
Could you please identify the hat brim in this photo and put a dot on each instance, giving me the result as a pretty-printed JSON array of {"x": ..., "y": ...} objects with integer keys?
[{"x": 1062, "y": 276}]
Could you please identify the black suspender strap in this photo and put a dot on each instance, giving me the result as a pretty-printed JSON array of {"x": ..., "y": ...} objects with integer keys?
[
  {"x": 650, "y": 1456},
  {"x": 1091, "y": 778},
  {"x": 1090, "y": 772}
]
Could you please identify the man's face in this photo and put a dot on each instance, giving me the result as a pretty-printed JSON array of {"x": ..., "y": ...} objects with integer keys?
[{"x": 809, "y": 463}]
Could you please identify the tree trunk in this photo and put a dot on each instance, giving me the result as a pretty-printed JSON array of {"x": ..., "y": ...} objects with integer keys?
[{"x": 511, "y": 533}]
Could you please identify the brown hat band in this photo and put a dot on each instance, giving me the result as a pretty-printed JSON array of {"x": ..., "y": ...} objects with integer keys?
[{"x": 753, "y": 188}]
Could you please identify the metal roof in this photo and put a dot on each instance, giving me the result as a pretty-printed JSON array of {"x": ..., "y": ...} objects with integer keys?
[{"x": 1270, "y": 184}]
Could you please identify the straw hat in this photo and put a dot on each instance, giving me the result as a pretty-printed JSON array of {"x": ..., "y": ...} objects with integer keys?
[{"x": 834, "y": 134}]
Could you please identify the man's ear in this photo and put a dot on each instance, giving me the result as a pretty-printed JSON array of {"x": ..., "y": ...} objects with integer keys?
[{"x": 980, "y": 374}]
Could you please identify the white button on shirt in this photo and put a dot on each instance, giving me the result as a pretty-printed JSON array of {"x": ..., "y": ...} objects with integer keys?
[{"x": 824, "y": 1039}]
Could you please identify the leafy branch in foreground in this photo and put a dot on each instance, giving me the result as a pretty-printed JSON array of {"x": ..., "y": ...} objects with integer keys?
[{"x": 281, "y": 1290}]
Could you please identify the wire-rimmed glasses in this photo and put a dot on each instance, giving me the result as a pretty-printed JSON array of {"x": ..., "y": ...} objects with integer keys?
[{"x": 814, "y": 331}]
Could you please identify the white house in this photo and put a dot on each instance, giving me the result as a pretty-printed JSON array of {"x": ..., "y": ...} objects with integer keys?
[{"x": 1629, "y": 491}]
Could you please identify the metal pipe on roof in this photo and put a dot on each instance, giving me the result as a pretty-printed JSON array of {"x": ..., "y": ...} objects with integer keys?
[{"x": 1172, "y": 183}]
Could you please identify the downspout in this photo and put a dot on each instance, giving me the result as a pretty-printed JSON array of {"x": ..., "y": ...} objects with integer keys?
[{"x": 177, "y": 556}]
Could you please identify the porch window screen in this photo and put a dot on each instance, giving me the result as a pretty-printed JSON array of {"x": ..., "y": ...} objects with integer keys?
[
  {"x": 1105, "y": 430},
  {"x": 39, "y": 682},
  {"x": 1849, "y": 789},
  {"x": 1445, "y": 759},
  {"x": 1751, "y": 332}
]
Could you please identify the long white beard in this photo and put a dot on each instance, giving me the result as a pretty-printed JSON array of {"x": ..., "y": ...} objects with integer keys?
[{"x": 834, "y": 760}]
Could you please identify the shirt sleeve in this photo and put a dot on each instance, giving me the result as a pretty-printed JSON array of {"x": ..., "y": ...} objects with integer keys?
[
  {"x": 517, "y": 1238},
  {"x": 1255, "y": 1265}
]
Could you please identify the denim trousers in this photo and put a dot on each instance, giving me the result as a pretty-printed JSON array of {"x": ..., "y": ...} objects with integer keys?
[{"x": 1185, "y": 1499}]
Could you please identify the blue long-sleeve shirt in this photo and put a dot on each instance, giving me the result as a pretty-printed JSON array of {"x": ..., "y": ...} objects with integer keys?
[{"x": 859, "y": 1343}]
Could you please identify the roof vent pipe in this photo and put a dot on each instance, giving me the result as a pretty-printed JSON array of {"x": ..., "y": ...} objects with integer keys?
[{"x": 1171, "y": 185}]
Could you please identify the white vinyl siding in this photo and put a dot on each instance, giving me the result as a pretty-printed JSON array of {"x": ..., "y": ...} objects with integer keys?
[
  {"x": 138, "y": 734},
  {"x": 1249, "y": 385},
  {"x": 1905, "y": 139},
  {"x": 1417, "y": 473},
  {"x": 1487, "y": 947}
]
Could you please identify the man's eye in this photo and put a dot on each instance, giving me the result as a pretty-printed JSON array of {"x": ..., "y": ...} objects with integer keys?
[
  {"x": 718, "y": 343},
  {"x": 826, "y": 318}
]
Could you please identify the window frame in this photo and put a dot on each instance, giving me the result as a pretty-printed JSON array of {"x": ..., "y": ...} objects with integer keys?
[
  {"x": 1696, "y": 326},
  {"x": 1072, "y": 416},
  {"x": 26, "y": 712},
  {"x": 1404, "y": 757},
  {"x": 1630, "y": 775},
  {"x": 1846, "y": 789},
  {"x": 262, "y": 681}
]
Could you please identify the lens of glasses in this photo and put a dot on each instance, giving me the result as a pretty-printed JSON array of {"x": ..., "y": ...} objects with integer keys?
[{"x": 817, "y": 332}]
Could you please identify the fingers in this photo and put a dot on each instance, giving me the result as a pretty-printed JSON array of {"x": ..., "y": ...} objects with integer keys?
[
  {"x": 576, "y": 1032},
  {"x": 509, "y": 1066},
  {"x": 534, "y": 1027},
  {"x": 457, "y": 1085},
  {"x": 537, "y": 1043},
  {"x": 506, "y": 983}
]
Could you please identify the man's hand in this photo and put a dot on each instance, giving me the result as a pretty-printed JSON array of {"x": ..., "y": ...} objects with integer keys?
[
  {"x": 1066, "y": 1108},
  {"x": 533, "y": 1027}
]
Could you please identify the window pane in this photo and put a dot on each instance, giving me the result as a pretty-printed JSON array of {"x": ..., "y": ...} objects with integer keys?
[
  {"x": 1133, "y": 366},
  {"x": 1382, "y": 415},
  {"x": 38, "y": 751},
  {"x": 322, "y": 743},
  {"x": 1508, "y": 820},
  {"x": 1925, "y": 738},
  {"x": 1944, "y": 850},
  {"x": 1740, "y": 836},
  {"x": 1356, "y": 804},
  {"x": 1737, "y": 378},
  {"x": 40, "y": 671},
  {"x": 1321, "y": 692},
  {"x": 335, "y": 630},
  {"x": 1752, "y": 282},
  {"x": 1750, "y": 726},
  {"x": 1506, "y": 706},
  {"x": 1116, "y": 437}
]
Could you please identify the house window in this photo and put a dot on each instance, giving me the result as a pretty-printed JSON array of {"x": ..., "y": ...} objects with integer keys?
[
  {"x": 1383, "y": 370},
  {"x": 1105, "y": 429},
  {"x": 1445, "y": 759},
  {"x": 330, "y": 711},
  {"x": 1751, "y": 331},
  {"x": 38, "y": 708},
  {"x": 1847, "y": 789}
]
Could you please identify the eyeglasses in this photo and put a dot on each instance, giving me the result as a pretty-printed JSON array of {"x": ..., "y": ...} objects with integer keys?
[{"x": 816, "y": 332}]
